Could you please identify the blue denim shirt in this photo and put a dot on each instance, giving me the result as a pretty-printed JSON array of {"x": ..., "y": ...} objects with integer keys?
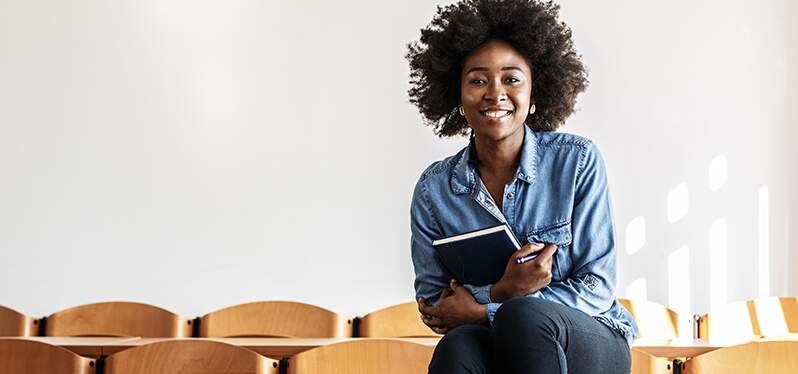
[{"x": 559, "y": 195}]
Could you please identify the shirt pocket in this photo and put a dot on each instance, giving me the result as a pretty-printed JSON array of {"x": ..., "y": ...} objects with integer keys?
[{"x": 559, "y": 234}]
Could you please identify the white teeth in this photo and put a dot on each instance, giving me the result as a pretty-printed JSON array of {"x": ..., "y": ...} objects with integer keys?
[{"x": 497, "y": 113}]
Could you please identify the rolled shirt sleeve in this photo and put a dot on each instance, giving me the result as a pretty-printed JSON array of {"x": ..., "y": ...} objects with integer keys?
[{"x": 431, "y": 277}]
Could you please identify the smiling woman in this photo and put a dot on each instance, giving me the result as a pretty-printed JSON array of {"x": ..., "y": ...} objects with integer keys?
[
  {"x": 496, "y": 90},
  {"x": 532, "y": 28},
  {"x": 506, "y": 73}
]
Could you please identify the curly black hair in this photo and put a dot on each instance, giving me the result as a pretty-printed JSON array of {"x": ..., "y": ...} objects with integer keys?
[{"x": 532, "y": 27}]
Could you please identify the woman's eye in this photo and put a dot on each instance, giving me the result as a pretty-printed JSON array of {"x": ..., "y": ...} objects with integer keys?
[
  {"x": 477, "y": 81},
  {"x": 513, "y": 80}
]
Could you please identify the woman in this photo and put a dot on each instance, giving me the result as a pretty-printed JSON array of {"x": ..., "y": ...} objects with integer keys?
[{"x": 506, "y": 73}]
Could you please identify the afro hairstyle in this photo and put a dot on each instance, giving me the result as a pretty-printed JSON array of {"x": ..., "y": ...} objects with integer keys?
[{"x": 532, "y": 27}]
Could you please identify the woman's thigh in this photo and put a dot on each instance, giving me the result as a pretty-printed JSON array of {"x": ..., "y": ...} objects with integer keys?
[
  {"x": 465, "y": 349},
  {"x": 539, "y": 336}
]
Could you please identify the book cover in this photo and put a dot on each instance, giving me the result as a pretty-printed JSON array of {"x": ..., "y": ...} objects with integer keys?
[{"x": 479, "y": 257}]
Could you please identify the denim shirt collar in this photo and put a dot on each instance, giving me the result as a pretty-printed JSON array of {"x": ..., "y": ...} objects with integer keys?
[{"x": 464, "y": 175}]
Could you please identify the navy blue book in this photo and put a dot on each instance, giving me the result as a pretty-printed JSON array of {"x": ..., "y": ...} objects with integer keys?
[{"x": 478, "y": 257}]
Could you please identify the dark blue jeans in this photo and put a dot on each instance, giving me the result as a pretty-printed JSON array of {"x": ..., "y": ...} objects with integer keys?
[{"x": 531, "y": 335}]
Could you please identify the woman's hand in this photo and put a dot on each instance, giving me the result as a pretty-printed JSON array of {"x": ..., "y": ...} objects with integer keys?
[
  {"x": 522, "y": 279},
  {"x": 456, "y": 306}
]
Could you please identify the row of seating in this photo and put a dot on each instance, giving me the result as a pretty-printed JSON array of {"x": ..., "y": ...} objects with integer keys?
[
  {"x": 361, "y": 356},
  {"x": 761, "y": 357},
  {"x": 733, "y": 323},
  {"x": 282, "y": 319},
  {"x": 212, "y": 357},
  {"x": 741, "y": 321},
  {"x": 754, "y": 319},
  {"x": 778, "y": 356},
  {"x": 772, "y": 322}
]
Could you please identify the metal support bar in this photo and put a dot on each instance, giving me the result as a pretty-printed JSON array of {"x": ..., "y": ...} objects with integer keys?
[
  {"x": 283, "y": 368},
  {"x": 677, "y": 366},
  {"x": 195, "y": 327},
  {"x": 42, "y": 322},
  {"x": 100, "y": 365},
  {"x": 356, "y": 327}
]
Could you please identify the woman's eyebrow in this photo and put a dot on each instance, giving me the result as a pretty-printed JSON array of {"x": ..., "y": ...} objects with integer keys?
[{"x": 480, "y": 68}]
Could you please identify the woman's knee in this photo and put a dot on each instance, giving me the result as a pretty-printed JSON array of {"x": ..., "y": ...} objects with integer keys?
[
  {"x": 464, "y": 339},
  {"x": 525, "y": 314},
  {"x": 465, "y": 349}
]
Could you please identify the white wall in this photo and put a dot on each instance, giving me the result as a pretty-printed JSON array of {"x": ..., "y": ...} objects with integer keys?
[
  {"x": 675, "y": 86},
  {"x": 793, "y": 125},
  {"x": 196, "y": 155}
]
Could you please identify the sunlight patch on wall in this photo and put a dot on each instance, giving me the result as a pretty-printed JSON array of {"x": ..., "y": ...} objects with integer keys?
[
  {"x": 718, "y": 248},
  {"x": 678, "y": 202},
  {"x": 717, "y": 173},
  {"x": 635, "y": 235}
]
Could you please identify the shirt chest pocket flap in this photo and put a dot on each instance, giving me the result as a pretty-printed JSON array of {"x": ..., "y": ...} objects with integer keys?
[{"x": 559, "y": 234}]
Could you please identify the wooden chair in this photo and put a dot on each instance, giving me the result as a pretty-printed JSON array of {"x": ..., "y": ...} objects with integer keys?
[
  {"x": 654, "y": 321},
  {"x": 33, "y": 357},
  {"x": 644, "y": 363},
  {"x": 281, "y": 319},
  {"x": 117, "y": 319},
  {"x": 13, "y": 323},
  {"x": 397, "y": 321},
  {"x": 189, "y": 356},
  {"x": 385, "y": 356},
  {"x": 775, "y": 357},
  {"x": 747, "y": 320}
]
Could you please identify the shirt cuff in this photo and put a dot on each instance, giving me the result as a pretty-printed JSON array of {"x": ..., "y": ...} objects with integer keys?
[
  {"x": 492, "y": 308},
  {"x": 481, "y": 293}
]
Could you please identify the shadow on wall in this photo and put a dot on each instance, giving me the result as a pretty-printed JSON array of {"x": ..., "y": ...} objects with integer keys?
[
  {"x": 695, "y": 123},
  {"x": 718, "y": 245}
]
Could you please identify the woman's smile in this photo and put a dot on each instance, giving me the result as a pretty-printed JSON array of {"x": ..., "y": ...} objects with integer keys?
[{"x": 496, "y": 114}]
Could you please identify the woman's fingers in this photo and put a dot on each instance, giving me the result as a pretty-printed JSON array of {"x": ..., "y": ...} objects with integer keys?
[
  {"x": 528, "y": 249},
  {"x": 437, "y": 324},
  {"x": 461, "y": 291},
  {"x": 432, "y": 321},
  {"x": 547, "y": 252},
  {"x": 425, "y": 309},
  {"x": 446, "y": 292}
]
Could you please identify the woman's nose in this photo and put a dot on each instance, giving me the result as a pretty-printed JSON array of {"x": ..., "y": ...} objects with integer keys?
[{"x": 495, "y": 92}]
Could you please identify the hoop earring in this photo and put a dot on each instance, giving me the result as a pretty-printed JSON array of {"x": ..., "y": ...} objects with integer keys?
[
  {"x": 461, "y": 111},
  {"x": 532, "y": 109}
]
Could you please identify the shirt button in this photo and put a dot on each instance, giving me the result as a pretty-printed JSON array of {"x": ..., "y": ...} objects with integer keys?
[{"x": 510, "y": 196}]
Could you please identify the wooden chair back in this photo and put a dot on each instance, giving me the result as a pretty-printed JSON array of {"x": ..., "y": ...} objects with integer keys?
[
  {"x": 189, "y": 356},
  {"x": 33, "y": 357},
  {"x": 746, "y": 320},
  {"x": 767, "y": 357},
  {"x": 118, "y": 319},
  {"x": 280, "y": 319},
  {"x": 397, "y": 321},
  {"x": 385, "y": 356},
  {"x": 644, "y": 363},
  {"x": 13, "y": 323},
  {"x": 654, "y": 321}
]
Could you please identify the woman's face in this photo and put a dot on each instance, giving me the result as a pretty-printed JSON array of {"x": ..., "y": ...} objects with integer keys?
[{"x": 495, "y": 91}]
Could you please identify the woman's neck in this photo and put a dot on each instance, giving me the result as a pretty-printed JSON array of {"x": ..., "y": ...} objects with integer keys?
[{"x": 499, "y": 158}]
